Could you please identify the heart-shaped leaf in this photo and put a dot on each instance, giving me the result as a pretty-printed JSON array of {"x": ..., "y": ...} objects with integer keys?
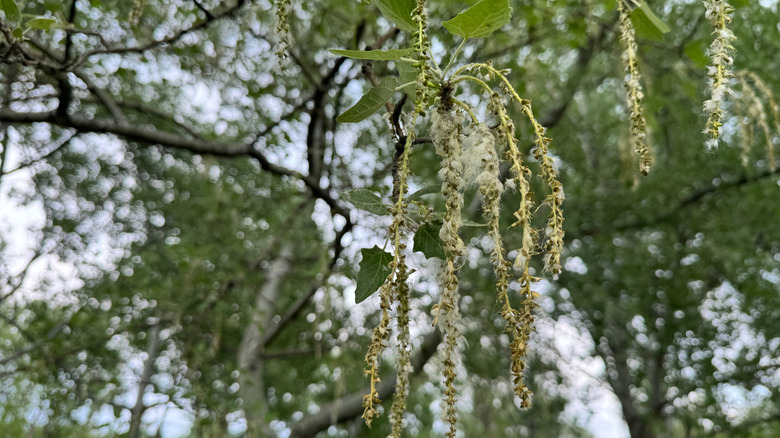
[{"x": 374, "y": 269}]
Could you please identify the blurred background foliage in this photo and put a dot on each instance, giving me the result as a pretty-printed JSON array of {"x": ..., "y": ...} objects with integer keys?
[{"x": 178, "y": 217}]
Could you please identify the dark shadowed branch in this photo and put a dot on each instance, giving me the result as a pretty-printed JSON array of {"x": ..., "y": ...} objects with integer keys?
[{"x": 350, "y": 406}]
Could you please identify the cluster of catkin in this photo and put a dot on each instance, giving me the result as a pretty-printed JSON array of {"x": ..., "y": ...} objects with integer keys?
[
  {"x": 395, "y": 289},
  {"x": 470, "y": 155},
  {"x": 633, "y": 87},
  {"x": 750, "y": 111},
  {"x": 718, "y": 13},
  {"x": 446, "y": 129},
  {"x": 282, "y": 33}
]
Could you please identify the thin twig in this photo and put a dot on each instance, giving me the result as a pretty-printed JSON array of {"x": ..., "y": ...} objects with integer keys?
[{"x": 46, "y": 155}]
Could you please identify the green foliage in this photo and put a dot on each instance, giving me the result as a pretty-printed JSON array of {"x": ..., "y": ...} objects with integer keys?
[
  {"x": 429, "y": 190},
  {"x": 427, "y": 241},
  {"x": 480, "y": 20},
  {"x": 669, "y": 281},
  {"x": 373, "y": 272},
  {"x": 41, "y": 23},
  {"x": 11, "y": 10},
  {"x": 370, "y": 103},
  {"x": 399, "y": 12},
  {"x": 376, "y": 55},
  {"x": 647, "y": 24},
  {"x": 24, "y": 23},
  {"x": 367, "y": 200}
]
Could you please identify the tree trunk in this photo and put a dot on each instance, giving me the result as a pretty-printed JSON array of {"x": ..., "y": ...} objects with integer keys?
[
  {"x": 151, "y": 355},
  {"x": 620, "y": 381},
  {"x": 250, "y": 363},
  {"x": 610, "y": 347}
]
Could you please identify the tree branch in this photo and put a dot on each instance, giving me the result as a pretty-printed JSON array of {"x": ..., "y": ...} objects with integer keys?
[
  {"x": 150, "y": 135},
  {"x": 9, "y": 80},
  {"x": 17, "y": 281},
  {"x": 152, "y": 111},
  {"x": 208, "y": 13},
  {"x": 46, "y": 155},
  {"x": 301, "y": 302},
  {"x": 350, "y": 406},
  {"x": 49, "y": 336},
  {"x": 691, "y": 199},
  {"x": 202, "y": 25}
]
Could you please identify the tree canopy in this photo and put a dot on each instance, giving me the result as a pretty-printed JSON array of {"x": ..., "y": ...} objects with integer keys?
[{"x": 299, "y": 218}]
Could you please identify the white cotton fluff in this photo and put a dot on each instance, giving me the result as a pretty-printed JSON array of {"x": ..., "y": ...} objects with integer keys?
[
  {"x": 445, "y": 127},
  {"x": 481, "y": 163}
]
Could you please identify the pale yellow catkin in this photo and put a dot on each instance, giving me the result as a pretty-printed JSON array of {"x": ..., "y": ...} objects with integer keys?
[
  {"x": 718, "y": 13},
  {"x": 633, "y": 88}
]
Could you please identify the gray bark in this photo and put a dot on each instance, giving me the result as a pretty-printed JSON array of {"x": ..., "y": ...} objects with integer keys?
[
  {"x": 139, "y": 408},
  {"x": 250, "y": 361},
  {"x": 618, "y": 376}
]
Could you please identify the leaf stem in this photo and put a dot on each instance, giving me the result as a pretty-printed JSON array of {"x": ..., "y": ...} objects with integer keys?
[
  {"x": 454, "y": 56},
  {"x": 402, "y": 86}
]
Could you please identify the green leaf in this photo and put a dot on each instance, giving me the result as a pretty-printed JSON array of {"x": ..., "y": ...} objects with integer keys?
[
  {"x": 646, "y": 23},
  {"x": 481, "y": 19},
  {"x": 407, "y": 74},
  {"x": 427, "y": 241},
  {"x": 367, "y": 200},
  {"x": 12, "y": 12},
  {"x": 399, "y": 12},
  {"x": 41, "y": 23},
  {"x": 54, "y": 5},
  {"x": 370, "y": 102},
  {"x": 422, "y": 192},
  {"x": 374, "y": 55},
  {"x": 18, "y": 33},
  {"x": 374, "y": 269},
  {"x": 697, "y": 52}
]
